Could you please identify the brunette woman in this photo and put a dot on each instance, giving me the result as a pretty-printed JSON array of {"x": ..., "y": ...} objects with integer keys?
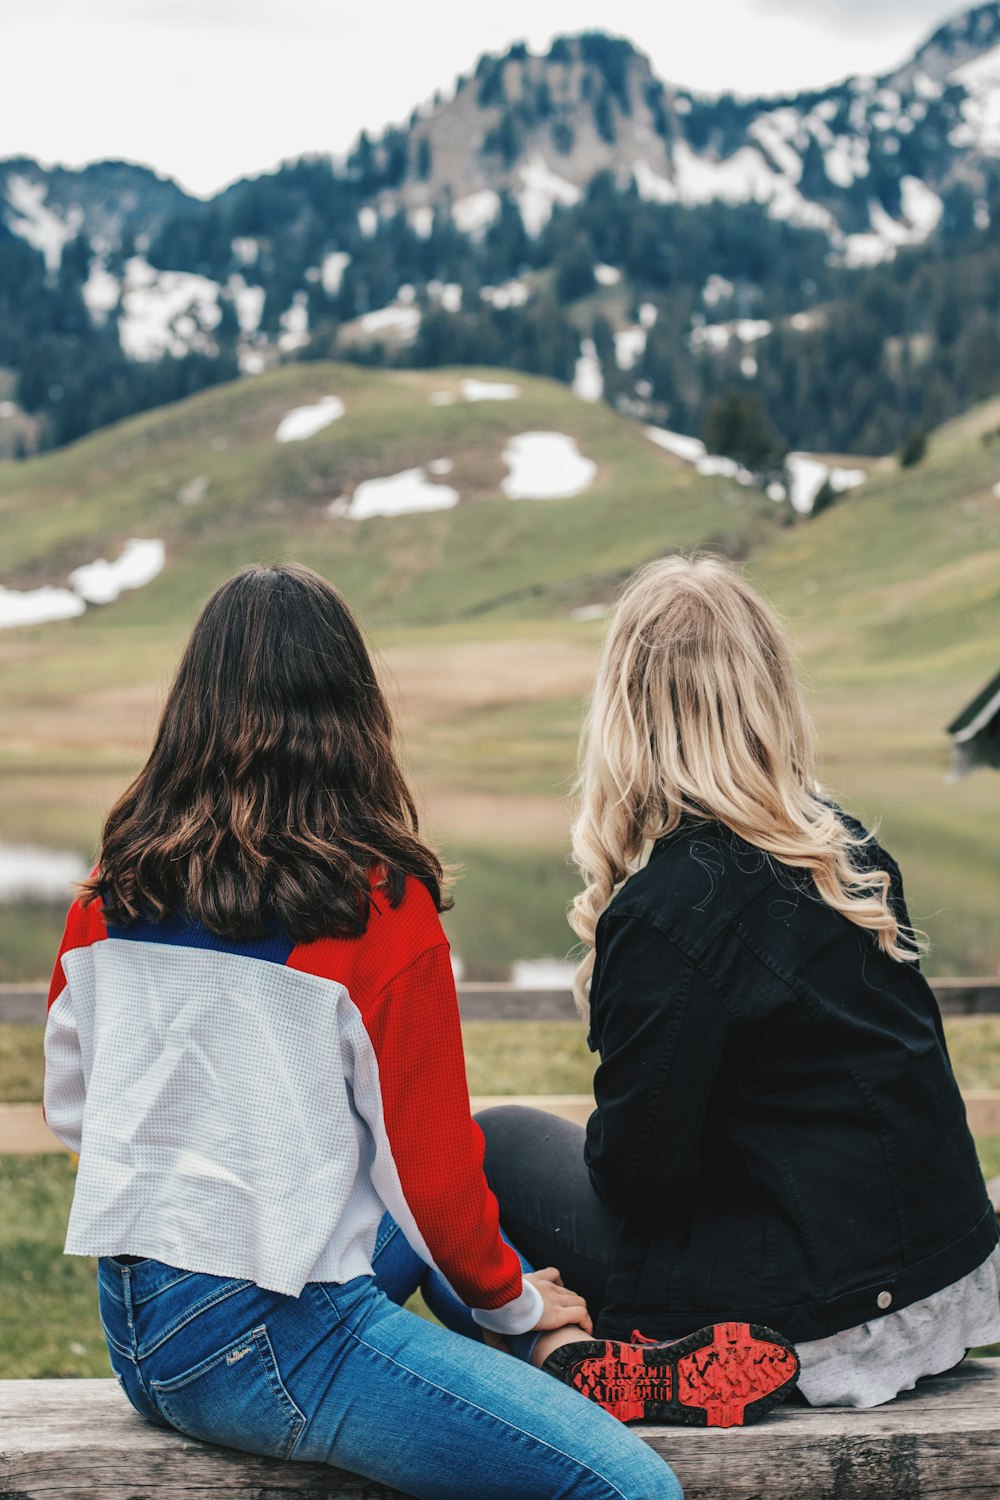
[
  {"x": 778, "y": 1136},
  {"x": 253, "y": 1043}
]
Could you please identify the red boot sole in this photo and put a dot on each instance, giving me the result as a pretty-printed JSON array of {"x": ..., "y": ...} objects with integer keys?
[{"x": 725, "y": 1375}]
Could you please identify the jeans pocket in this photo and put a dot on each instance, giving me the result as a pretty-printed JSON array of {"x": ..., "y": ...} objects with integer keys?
[{"x": 235, "y": 1397}]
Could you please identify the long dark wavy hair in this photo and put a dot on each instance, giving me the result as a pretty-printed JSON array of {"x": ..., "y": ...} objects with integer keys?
[{"x": 273, "y": 790}]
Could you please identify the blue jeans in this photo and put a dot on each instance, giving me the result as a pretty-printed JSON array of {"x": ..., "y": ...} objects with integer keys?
[
  {"x": 399, "y": 1272},
  {"x": 343, "y": 1375}
]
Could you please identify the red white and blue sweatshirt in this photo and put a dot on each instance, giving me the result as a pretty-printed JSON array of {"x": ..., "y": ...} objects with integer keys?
[{"x": 252, "y": 1109}]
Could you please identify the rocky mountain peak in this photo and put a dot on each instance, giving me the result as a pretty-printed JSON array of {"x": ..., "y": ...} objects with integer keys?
[
  {"x": 538, "y": 127},
  {"x": 951, "y": 54}
]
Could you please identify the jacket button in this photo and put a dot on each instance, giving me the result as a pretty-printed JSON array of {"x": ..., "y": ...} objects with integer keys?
[{"x": 884, "y": 1300}]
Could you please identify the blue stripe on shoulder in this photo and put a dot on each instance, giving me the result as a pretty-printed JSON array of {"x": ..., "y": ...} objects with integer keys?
[{"x": 176, "y": 931}]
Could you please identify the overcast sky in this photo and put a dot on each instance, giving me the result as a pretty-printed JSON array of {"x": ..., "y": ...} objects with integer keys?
[{"x": 210, "y": 90}]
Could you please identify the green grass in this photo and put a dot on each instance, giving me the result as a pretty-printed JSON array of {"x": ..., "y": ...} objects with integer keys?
[
  {"x": 49, "y": 1325},
  {"x": 892, "y": 597},
  {"x": 491, "y": 922},
  {"x": 529, "y": 1057}
]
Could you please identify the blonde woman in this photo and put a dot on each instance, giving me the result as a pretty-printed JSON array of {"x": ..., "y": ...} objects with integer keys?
[{"x": 778, "y": 1136}]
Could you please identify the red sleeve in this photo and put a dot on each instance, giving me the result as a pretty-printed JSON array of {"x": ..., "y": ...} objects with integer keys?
[
  {"x": 63, "y": 1088},
  {"x": 436, "y": 1145},
  {"x": 410, "y": 1087},
  {"x": 84, "y": 925}
]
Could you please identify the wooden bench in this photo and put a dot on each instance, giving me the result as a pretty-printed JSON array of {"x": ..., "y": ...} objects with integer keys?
[{"x": 80, "y": 1440}]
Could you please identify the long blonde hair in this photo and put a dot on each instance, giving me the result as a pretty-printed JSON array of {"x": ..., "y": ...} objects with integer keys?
[{"x": 697, "y": 710}]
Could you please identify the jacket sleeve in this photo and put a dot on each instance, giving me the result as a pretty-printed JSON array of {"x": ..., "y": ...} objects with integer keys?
[
  {"x": 64, "y": 1088},
  {"x": 661, "y": 1030},
  {"x": 428, "y": 1167}
]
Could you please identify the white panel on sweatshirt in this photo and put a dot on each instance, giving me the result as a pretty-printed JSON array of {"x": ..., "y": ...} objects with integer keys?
[
  {"x": 219, "y": 1133},
  {"x": 229, "y": 1118}
]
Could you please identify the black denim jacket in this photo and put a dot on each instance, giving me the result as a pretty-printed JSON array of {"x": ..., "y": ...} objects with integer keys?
[{"x": 777, "y": 1118}]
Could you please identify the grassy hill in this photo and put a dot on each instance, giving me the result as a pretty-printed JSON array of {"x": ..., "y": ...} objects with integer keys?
[{"x": 892, "y": 594}]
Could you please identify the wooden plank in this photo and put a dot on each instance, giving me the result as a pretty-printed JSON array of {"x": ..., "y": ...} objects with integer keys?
[
  {"x": 502, "y": 1002},
  {"x": 23, "y": 1132},
  {"x": 967, "y": 997},
  {"x": 80, "y": 1440},
  {"x": 982, "y": 1109},
  {"x": 25, "y": 1003}
]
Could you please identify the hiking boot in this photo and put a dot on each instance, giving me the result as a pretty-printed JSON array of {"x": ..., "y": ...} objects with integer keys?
[{"x": 724, "y": 1375}]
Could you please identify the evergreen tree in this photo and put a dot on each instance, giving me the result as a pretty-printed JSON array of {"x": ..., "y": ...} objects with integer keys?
[
  {"x": 738, "y": 427},
  {"x": 914, "y": 450}
]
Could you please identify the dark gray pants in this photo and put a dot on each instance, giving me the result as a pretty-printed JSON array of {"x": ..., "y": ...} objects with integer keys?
[{"x": 548, "y": 1208}]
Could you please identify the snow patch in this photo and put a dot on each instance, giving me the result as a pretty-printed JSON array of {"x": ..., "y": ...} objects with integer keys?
[
  {"x": 588, "y": 378},
  {"x": 251, "y": 361},
  {"x": 545, "y": 466},
  {"x": 137, "y": 564},
  {"x": 489, "y": 390},
  {"x": 37, "y": 606},
  {"x": 245, "y": 249},
  {"x": 248, "y": 301},
  {"x": 368, "y": 221},
  {"x": 745, "y": 177},
  {"x": 541, "y": 190},
  {"x": 606, "y": 275},
  {"x": 294, "y": 322},
  {"x": 402, "y": 321},
  {"x": 922, "y": 210},
  {"x": 98, "y": 582},
  {"x": 980, "y": 70},
  {"x": 775, "y": 131},
  {"x": 331, "y": 272},
  {"x": 846, "y": 160},
  {"x": 926, "y": 87},
  {"x": 980, "y": 126},
  {"x": 40, "y": 226},
  {"x": 508, "y": 294},
  {"x": 166, "y": 312},
  {"x": 589, "y": 612},
  {"x": 397, "y": 495},
  {"x": 714, "y": 465},
  {"x": 807, "y": 476},
  {"x": 691, "y": 449},
  {"x": 421, "y": 221},
  {"x": 447, "y": 293},
  {"x": 29, "y": 873},
  {"x": 718, "y": 336},
  {"x": 302, "y": 421},
  {"x": 717, "y": 289},
  {"x": 474, "y": 213},
  {"x": 100, "y": 292},
  {"x": 650, "y": 186},
  {"x": 630, "y": 346}
]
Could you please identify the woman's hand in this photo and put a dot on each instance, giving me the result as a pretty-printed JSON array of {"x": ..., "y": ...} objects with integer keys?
[{"x": 561, "y": 1308}]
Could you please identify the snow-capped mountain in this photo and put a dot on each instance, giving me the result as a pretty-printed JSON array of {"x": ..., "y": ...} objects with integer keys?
[
  {"x": 868, "y": 161},
  {"x": 563, "y": 212}
]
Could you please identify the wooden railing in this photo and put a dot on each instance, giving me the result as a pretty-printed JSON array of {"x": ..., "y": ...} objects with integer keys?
[{"x": 504, "y": 1002}]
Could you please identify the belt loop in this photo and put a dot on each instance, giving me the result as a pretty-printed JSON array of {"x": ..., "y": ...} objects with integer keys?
[{"x": 127, "y": 1292}]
